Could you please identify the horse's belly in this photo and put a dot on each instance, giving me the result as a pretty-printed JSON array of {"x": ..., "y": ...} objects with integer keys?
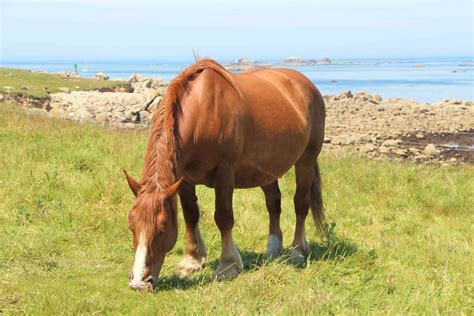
[{"x": 269, "y": 162}]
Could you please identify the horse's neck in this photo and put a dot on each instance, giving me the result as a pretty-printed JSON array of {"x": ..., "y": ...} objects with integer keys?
[{"x": 159, "y": 172}]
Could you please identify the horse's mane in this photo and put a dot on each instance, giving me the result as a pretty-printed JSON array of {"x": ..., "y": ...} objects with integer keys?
[{"x": 162, "y": 150}]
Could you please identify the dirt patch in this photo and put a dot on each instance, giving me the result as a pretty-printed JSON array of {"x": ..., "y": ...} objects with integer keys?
[{"x": 452, "y": 147}]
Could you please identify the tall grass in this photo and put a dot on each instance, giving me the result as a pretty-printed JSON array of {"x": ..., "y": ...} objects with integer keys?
[{"x": 400, "y": 241}]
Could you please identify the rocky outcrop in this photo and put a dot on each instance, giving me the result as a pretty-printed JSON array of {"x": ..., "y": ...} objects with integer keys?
[
  {"x": 123, "y": 106},
  {"x": 360, "y": 123},
  {"x": 400, "y": 129}
]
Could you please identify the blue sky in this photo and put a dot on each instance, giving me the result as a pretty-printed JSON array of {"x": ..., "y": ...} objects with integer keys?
[{"x": 146, "y": 30}]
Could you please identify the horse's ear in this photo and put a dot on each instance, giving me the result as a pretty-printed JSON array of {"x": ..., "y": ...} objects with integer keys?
[
  {"x": 134, "y": 185},
  {"x": 171, "y": 190}
]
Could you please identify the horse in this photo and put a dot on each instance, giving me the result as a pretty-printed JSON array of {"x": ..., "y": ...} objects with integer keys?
[{"x": 225, "y": 130}]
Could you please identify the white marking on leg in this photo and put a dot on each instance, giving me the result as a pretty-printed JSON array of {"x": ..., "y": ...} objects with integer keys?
[
  {"x": 139, "y": 263},
  {"x": 230, "y": 264},
  {"x": 274, "y": 246}
]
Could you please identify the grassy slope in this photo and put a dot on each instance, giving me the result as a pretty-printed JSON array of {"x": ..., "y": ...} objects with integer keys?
[
  {"x": 403, "y": 239},
  {"x": 36, "y": 82}
]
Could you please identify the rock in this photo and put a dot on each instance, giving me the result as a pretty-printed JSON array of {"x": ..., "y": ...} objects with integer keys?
[
  {"x": 400, "y": 152},
  {"x": 101, "y": 117},
  {"x": 346, "y": 94},
  {"x": 105, "y": 89},
  {"x": 101, "y": 76},
  {"x": 384, "y": 149},
  {"x": 364, "y": 139},
  {"x": 367, "y": 148},
  {"x": 420, "y": 158},
  {"x": 431, "y": 150},
  {"x": 244, "y": 61},
  {"x": 2, "y": 97},
  {"x": 8, "y": 88},
  {"x": 327, "y": 140},
  {"x": 24, "y": 87},
  {"x": 9, "y": 74},
  {"x": 391, "y": 142},
  {"x": 136, "y": 78},
  {"x": 325, "y": 61},
  {"x": 145, "y": 116},
  {"x": 64, "y": 89},
  {"x": 83, "y": 115}
]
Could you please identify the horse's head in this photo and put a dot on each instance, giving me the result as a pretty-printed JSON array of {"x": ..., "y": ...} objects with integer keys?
[{"x": 154, "y": 225}]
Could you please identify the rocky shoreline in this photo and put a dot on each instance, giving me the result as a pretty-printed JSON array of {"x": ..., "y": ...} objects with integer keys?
[{"x": 361, "y": 123}]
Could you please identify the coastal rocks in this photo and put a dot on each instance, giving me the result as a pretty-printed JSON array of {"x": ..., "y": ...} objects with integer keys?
[
  {"x": 111, "y": 108},
  {"x": 399, "y": 129},
  {"x": 127, "y": 105},
  {"x": 359, "y": 122},
  {"x": 146, "y": 85},
  {"x": 101, "y": 76}
]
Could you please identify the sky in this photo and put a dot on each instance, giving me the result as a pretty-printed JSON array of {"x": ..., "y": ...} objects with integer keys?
[{"x": 260, "y": 29}]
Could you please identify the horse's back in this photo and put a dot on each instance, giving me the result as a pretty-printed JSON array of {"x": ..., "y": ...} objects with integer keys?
[{"x": 262, "y": 129}]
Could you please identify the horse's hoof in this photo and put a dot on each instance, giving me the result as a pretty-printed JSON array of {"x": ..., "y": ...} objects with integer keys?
[
  {"x": 189, "y": 265},
  {"x": 274, "y": 247},
  {"x": 297, "y": 258},
  {"x": 227, "y": 272}
]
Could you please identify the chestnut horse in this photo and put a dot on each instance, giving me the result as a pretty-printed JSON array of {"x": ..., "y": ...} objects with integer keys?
[{"x": 225, "y": 131}]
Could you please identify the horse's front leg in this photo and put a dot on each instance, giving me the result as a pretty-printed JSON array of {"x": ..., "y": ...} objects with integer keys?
[
  {"x": 195, "y": 250},
  {"x": 230, "y": 264}
]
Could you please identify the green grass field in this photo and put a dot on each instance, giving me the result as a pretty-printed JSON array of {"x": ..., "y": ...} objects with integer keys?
[
  {"x": 37, "y": 82},
  {"x": 402, "y": 241}
]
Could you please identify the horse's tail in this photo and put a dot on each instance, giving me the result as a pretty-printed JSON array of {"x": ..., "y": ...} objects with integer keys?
[{"x": 316, "y": 200}]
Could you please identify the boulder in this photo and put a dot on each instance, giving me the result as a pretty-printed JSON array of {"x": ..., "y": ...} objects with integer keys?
[
  {"x": 101, "y": 76},
  {"x": 431, "y": 150},
  {"x": 145, "y": 116},
  {"x": 136, "y": 78},
  {"x": 64, "y": 89}
]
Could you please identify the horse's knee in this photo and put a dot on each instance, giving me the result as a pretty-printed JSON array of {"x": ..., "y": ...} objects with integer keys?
[{"x": 224, "y": 220}]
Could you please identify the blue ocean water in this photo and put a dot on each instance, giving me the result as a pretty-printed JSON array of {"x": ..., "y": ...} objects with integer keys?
[{"x": 425, "y": 80}]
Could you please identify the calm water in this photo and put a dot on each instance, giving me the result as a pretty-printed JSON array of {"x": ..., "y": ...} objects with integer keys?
[{"x": 436, "y": 80}]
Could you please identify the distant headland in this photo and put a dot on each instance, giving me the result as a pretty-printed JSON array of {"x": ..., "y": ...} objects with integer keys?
[{"x": 247, "y": 63}]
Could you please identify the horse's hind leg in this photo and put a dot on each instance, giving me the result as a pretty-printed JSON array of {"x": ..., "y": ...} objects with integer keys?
[
  {"x": 195, "y": 250},
  {"x": 304, "y": 169},
  {"x": 273, "y": 202}
]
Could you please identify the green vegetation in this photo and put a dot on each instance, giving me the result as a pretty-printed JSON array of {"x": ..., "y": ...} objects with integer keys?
[
  {"x": 402, "y": 241},
  {"x": 37, "y": 82}
]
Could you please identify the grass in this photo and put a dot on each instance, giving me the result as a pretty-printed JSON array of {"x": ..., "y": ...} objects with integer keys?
[
  {"x": 37, "y": 82},
  {"x": 401, "y": 238}
]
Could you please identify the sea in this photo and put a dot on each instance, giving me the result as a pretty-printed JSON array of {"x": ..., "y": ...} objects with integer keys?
[{"x": 421, "y": 79}]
